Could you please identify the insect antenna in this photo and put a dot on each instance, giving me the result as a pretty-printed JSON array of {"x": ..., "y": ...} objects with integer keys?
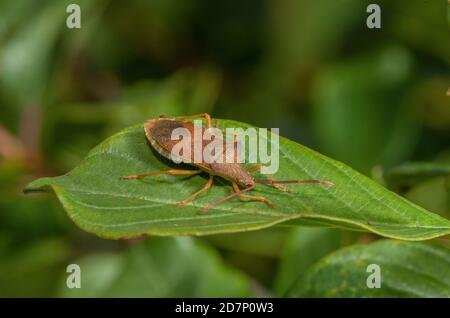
[
  {"x": 227, "y": 198},
  {"x": 327, "y": 183}
]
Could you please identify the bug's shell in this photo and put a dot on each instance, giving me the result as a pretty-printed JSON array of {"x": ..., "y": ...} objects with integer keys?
[{"x": 159, "y": 134}]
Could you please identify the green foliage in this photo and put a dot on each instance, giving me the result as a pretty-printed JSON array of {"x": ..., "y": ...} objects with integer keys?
[
  {"x": 407, "y": 270},
  {"x": 382, "y": 130},
  {"x": 411, "y": 173},
  {"x": 427, "y": 183},
  {"x": 373, "y": 99},
  {"x": 151, "y": 268},
  {"x": 24, "y": 77},
  {"x": 304, "y": 247},
  {"x": 100, "y": 202},
  {"x": 30, "y": 271}
]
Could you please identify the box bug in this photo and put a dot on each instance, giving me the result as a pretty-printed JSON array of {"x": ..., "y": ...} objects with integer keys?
[{"x": 159, "y": 134}]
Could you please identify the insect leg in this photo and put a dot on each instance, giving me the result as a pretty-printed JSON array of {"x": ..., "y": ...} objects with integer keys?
[
  {"x": 253, "y": 197},
  {"x": 228, "y": 197},
  {"x": 205, "y": 115},
  {"x": 269, "y": 176},
  {"x": 172, "y": 171},
  {"x": 192, "y": 196}
]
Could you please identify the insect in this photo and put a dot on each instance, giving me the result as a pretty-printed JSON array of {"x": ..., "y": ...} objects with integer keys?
[{"x": 159, "y": 134}]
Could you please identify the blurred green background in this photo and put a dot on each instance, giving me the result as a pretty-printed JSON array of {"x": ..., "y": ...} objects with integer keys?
[{"x": 374, "y": 99}]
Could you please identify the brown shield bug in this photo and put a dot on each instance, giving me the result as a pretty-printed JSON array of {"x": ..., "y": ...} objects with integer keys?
[{"x": 159, "y": 134}]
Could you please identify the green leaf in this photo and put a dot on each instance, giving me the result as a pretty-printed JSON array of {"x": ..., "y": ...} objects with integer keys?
[
  {"x": 264, "y": 243},
  {"x": 427, "y": 184},
  {"x": 304, "y": 247},
  {"x": 25, "y": 77},
  {"x": 361, "y": 115},
  {"x": 413, "y": 172},
  {"x": 158, "y": 267},
  {"x": 432, "y": 194},
  {"x": 32, "y": 269},
  {"x": 99, "y": 202},
  {"x": 408, "y": 269}
]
